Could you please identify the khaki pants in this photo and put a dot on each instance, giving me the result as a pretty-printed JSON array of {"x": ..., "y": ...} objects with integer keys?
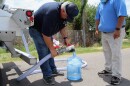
[{"x": 112, "y": 52}]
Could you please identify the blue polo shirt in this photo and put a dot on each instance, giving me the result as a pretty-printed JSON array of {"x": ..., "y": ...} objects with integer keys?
[
  {"x": 47, "y": 19},
  {"x": 108, "y": 13}
]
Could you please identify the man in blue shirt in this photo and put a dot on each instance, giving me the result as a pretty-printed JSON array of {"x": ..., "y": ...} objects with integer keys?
[
  {"x": 110, "y": 20},
  {"x": 49, "y": 19}
]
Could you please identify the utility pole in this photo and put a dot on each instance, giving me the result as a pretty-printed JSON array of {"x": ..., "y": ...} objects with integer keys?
[{"x": 83, "y": 25}]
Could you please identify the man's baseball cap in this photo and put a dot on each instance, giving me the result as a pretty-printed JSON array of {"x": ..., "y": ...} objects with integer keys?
[{"x": 72, "y": 11}]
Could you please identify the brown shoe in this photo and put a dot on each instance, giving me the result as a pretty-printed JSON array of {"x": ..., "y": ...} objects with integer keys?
[
  {"x": 57, "y": 73},
  {"x": 49, "y": 80},
  {"x": 104, "y": 72},
  {"x": 115, "y": 80}
]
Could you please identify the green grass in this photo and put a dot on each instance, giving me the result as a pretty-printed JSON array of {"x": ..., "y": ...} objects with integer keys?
[
  {"x": 6, "y": 57},
  {"x": 2, "y": 50},
  {"x": 81, "y": 50},
  {"x": 126, "y": 45}
]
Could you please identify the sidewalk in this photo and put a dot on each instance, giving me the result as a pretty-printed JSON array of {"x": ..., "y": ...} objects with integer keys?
[{"x": 10, "y": 71}]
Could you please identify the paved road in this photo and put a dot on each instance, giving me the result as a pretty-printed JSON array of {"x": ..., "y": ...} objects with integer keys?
[{"x": 10, "y": 71}]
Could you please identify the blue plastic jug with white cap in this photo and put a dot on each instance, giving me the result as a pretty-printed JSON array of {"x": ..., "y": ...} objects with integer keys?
[{"x": 74, "y": 64}]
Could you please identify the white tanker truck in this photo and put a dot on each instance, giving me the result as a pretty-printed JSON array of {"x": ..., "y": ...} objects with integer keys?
[{"x": 14, "y": 22}]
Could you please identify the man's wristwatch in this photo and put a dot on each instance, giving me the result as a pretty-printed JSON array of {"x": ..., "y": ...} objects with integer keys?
[
  {"x": 117, "y": 28},
  {"x": 65, "y": 37}
]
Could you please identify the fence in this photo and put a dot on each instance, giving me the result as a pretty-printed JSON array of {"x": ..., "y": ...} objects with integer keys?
[{"x": 76, "y": 37}]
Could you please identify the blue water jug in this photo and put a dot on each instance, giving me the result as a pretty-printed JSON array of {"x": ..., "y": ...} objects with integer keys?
[{"x": 74, "y": 68}]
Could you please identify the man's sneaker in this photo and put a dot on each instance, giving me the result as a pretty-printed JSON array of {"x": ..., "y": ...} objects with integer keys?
[
  {"x": 57, "y": 73},
  {"x": 104, "y": 72},
  {"x": 49, "y": 80},
  {"x": 115, "y": 80}
]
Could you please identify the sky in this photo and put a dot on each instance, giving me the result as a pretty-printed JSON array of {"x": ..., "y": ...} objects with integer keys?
[
  {"x": 26, "y": 4},
  {"x": 35, "y": 4}
]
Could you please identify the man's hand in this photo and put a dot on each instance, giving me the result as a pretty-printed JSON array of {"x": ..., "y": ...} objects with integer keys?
[
  {"x": 116, "y": 34},
  {"x": 53, "y": 52},
  {"x": 96, "y": 32},
  {"x": 66, "y": 42},
  {"x": 49, "y": 44}
]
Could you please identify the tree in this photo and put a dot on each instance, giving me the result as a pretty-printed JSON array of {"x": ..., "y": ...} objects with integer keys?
[
  {"x": 91, "y": 11},
  {"x": 127, "y": 23},
  {"x": 128, "y": 27}
]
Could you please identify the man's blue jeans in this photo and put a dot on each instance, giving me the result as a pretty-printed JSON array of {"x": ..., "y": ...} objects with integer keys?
[{"x": 42, "y": 50}]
